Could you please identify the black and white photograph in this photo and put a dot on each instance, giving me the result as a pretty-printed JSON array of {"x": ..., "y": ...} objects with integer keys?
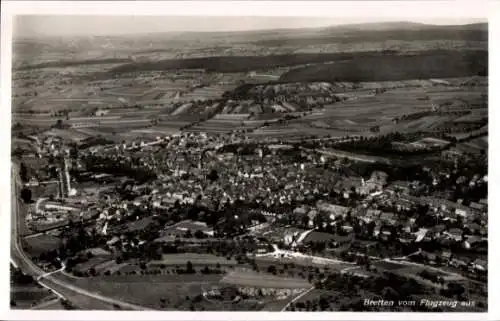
[{"x": 248, "y": 163}]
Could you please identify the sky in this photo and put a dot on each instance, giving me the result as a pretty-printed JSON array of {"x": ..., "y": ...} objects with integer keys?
[{"x": 29, "y": 25}]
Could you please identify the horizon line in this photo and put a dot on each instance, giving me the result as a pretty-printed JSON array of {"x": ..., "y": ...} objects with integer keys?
[{"x": 469, "y": 22}]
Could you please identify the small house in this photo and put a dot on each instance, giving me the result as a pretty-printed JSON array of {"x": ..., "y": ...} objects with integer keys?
[{"x": 479, "y": 265}]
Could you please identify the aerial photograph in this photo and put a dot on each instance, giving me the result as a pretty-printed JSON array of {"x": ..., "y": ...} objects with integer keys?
[{"x": 173, "y": 163}]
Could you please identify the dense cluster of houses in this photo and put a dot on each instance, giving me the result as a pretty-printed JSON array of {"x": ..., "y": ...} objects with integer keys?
[{"x": 185, "y": 165}]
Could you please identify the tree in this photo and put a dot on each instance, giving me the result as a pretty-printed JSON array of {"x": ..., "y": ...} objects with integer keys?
[
  {"x": 67, "y": 305},
  {"x": 26, "y": 195},
  {"x": 188, "y": 234},
  {"x": 213, "y": 175},
  {"x": 189, "y": 268},
  {"x": 456, "y": 289},
  {"x": 23, "y": 172},
  {"x": 389, "y": 293},
  {"x": 271, "y": 269},
  {"x": 199, "y": 234}
]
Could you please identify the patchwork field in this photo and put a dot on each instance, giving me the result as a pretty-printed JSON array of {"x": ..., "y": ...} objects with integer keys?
[
  {"x": 150, "y": 133},
  {"x": 357, "y": 116},
  {"x": 225, "y": 123}
]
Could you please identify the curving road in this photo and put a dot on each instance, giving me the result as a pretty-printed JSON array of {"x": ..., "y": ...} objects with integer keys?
[
  {"x": 50, "y": 281},
  {"x": 296, "y": 299}
]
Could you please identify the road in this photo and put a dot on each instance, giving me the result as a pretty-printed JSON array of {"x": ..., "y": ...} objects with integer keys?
[
  {"x": 49, "y": 281},
  {"x": 403, "y": 261},
  {"x": 296, "y": 298}
]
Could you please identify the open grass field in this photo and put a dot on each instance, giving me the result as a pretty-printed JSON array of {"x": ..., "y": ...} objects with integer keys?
[
  {"x": 474, "y": 146},
  {"x": 263, "y": 280},
  {"x": 28, "y": 295},
  {"x": 325, "y": 237},
  {"x": 91, "y": 132},
  {"x": 295, "y": 130},
  {"x": 135, "y": 91},
  {"x": 223, "y": 125},
  {"x": 150, "y": 133},
  {"x": 68, "y": 134},
  {"x": 193, "y": 226},
  {"x": 92, "y": 263},
  {"x": 148, "y": 290},
  {"x": 210, "y": 92},
  {"x": 39, "y": 244},
  {"x": 110, "y": 266},
  {"x": 476, "y": 115}
]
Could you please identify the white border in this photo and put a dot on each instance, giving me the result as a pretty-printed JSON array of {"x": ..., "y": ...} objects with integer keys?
[
  {"x": 390, "y": 10},
  {"x": 5, "y": 86},
  {"x": 494, "y": 158}
]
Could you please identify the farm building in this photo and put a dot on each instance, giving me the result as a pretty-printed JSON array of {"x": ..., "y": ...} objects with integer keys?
[{"x": 480, "y": 265}]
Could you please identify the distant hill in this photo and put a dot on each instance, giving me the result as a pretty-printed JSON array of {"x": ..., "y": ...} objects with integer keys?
[
  {"x": 378, "y": 26},
  {"x": 402, "y": 25},
  {"x": 277, "y": 34},
  {"x": 372, "y": 32},
  {"x": 356, "y": 66},
  {"x": 326, "y": 31}
]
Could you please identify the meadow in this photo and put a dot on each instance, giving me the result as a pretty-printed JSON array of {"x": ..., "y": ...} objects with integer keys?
[
  {"x": 175, "y": 289},
  {"x": 43, "y": 243},
  {"x": 263, "y": 280}
]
